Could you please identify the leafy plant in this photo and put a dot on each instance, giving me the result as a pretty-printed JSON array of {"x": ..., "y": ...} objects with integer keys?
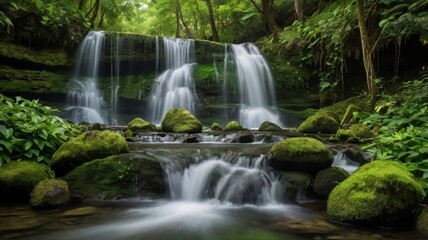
[{"x": 29, "y": 131}]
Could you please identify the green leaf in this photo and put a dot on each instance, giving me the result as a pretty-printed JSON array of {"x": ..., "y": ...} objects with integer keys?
[
  {"x": 28, "y": 145},
  {"x": 8, "y": 145}
]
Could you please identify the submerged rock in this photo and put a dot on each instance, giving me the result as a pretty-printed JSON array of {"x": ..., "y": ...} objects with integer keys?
[
  {"x": 326, "y": 180},
  {"x": 233, "y": 126},
  {"x": 319, "y": 123},
  {"x": 306, "y": 227},
  {"x": 82, "y": 211},
  {"x": 179, "y": 120},
  {"x": 125, "y": 175},
  {"x": 17, "y": 179},
  {"x": 50, "y": 193},
  {"x": 269, "y": 126},
  {"x": 87, "y": 147},
  {"x": 381, "y": 193},
  {"x": 140, "y": 125},
  {"x": 301, "y": 154}
]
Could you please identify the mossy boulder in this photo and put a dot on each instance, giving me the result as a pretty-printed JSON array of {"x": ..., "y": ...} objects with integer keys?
[
  {"x": 50, "y": 193},
  {"x": 360, "y": 131},
  {"x": 216, "y": 127},
  {"x": 319, "y": 123},
  {"x": 381, "y": 193},
  {"x": 17, "y": 179},
  {"x": 349, "y": 114},
  {"x": 233, "y": 126},
  {"x": 269, "y": 126},
  {"x": 87, "y": 147},
  {"x": 140, "y": 125},
  {"x": 422, "y": 222},
  {"x": 179, "y": 120},
  {"x": 297, "y": 185},
  {"x": 300, "y": 154},
  {"x": 342, "y": 135},
  {"x": 331, "y": 114},
  {"x": 328, "y": 179},
  {"x": 124, "y": 175}
]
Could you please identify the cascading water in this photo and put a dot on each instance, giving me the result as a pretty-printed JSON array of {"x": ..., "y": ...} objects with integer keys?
[
  {"x": 173, "y": 88},
  {"x": 256, "y": 87},
  {"x": 84, "y": 101}
]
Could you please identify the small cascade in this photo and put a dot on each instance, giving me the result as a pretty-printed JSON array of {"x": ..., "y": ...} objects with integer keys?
[
  {"x": 256, "y": 87},
  {"x": 174, "y": 87},
  {"x": 342, "y": 161},
  {"x": 84, "y": 101}
]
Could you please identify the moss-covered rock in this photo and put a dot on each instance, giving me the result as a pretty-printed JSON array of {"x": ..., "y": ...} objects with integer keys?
[
  {"x": 86, "y": 147},
  {"x": 216, "y": 127},
  {"x": 179, "y": 120},
  {"x": 301, "y": 154},
  {"x": 140, "y": 125},
  {"x": 343, "y": 135},
  {"x": 269, "y": 126},
  {"x": 50, "y": 193},
  {"x": 319, "y": 123},
  {"x": 125, "y": 175},
  {"x": 17, "y": 179},
  {"x": 349, "y": 114},
  {"x": 328, "y": 179},
  {"x": 233, "y": 126},
  {"x": 380, "y": 192},
  {"x": 357, "y": 155},
  {"x": 297, "y": 185},
  {"x": 422, "y": 222},
  {"x": 331, "y": 114},
  {"x": 360, "y": 131}
]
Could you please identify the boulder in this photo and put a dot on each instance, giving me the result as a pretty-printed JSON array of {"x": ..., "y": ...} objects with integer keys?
[
  {"x": 360, "y": 131},
  {"x": 243, "y": 137},
  {"x": 124, "y": 175},
  {"x": 233, "y": 126},
  {"x": 328, "y": 179},
  {"x": 87, "y": 147},
  {"x": 422, "y": 222},
  {"x": 50, "y": 193},
  {"x": 269, "y": 126},
  {"x": 216, "y": 127},
  {"x": 349, "y": 114},
  {"x": 319, "y": 123},
  {"x": 189, "y": 139},
  {"x": 380, "y": 193},
  {"x": 179, "y": 120},
  {"x": 297, "y": 185},
  {"x": 17, "y": 179},
  {"x": 300, "y": 154},
  {"x": 332, "y": 114},
  {"x": 342, "y": 135},
  {"x": 140, "y": 125},
  {"x": 356, "y": 155}
]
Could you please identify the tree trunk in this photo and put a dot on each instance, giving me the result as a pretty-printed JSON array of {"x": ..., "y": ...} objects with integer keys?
[
  {"x": 177, "y": 22},
  {"x": 269, "y": 15},
  {"x": 95, "y": 12},
  {"x": 212, "y": 21},
  {"x": 299, "y": 9},
  {"x": 367, "y": 50}
]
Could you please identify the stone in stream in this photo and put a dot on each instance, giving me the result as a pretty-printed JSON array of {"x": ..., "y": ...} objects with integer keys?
[
  {"x": 243, "y": 137},
  {"x": 319, "y": 123},
  {"x": 216, "y": 127},
  {"x": 50, "y": 193},
  {"x": 179, "y": 120},
  {"x": 328, "y": 179},
  {"x": 269, "y": 126},
  {"x": 140, "y": 125}
]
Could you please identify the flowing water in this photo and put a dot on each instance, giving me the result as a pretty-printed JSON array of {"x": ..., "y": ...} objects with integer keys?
[
  {"x": 174, "y": 87},
  {"x": 84, "y": 100}
]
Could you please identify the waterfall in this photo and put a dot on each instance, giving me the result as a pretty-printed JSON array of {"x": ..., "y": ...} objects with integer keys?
[
  {"x": 256, "y": 87},
  {"x": 116, "y": 49},
  {"x": 174, "y": 87},
  {"x": 84, "y": 101}
]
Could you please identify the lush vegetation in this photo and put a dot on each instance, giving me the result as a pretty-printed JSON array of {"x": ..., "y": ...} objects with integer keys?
[{"x": 29, "y": 131}]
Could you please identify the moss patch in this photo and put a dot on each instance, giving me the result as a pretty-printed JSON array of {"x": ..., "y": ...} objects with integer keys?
[
  {"x": 360, "y": 131},
  {"x": 349, "y": 114},
  {"x": 300, "y": 154},
  {"x": 233, "y": 126},
  {"x": 319, "y": 123},
  {"x": 17, "y": 179},
  {"x": 269, "y": 126},
  {"x": 179, "y": 120},
  {"x": 50, "y": 193},
  {"x": 216, "y": 127},
  {"x": 140, "y": 125},
  {"x": 380, "y": 192},
  {"x": 86, "y": 147},
  {"x": 125, "y": 175}
]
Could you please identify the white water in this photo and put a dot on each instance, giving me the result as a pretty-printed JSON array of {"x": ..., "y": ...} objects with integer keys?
[
  {"x": 342, "y": 161},
  {"x": 84, "y": 101},
  {"x": 256, "y": 87},
  {"x": 173, "y": 88}
]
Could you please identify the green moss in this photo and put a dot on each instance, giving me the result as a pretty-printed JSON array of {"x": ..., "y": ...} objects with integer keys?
[
  {"x": 342, "y": 135},
  {"x": 50, "y": 193},
  {"x": 233, "y": 126},
  {"x": 140, "y": 125},
  {"x": 128, "y": 133},
  {"x": 380, "y": 191},
  {"x": 331, "y": 114},
  {"x": 216, "y": 127},
  {"x": 269, "y": 126},
  {"x": 17, "y": 179},
  {"x": 328, "y": 179},
  {"x": 204, "y": 74},
  {"x": 179, "y": 120},
  {"x": 340, "y": 108},
  {"x": 349, "y": 114},
  {"x": 300, "y": 154},
  {"x": 319, "y": 123},
  {"x": 124, "y": 175},
  {"x": 86, "y": 147},
  {"x": 422, "y": 222},
  {"x": 360, "y": 131}
]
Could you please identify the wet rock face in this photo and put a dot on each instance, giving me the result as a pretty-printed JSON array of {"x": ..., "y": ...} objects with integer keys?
[
  {"x": 380, "y": 193},
  {"x": 243, "y": 137},
  {"x": 300, "y": 154},
  {"x": 326, "y": 180}
]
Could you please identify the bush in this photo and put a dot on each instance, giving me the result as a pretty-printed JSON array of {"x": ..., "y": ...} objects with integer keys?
[{"x": 29, "y": 131}]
